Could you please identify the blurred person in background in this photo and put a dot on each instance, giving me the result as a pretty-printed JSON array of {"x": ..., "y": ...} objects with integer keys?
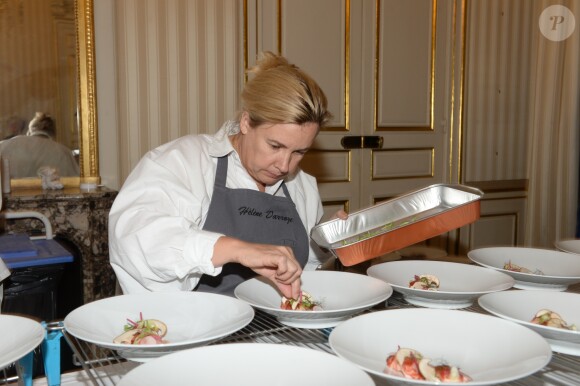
[{"x": 28, "y": 153}]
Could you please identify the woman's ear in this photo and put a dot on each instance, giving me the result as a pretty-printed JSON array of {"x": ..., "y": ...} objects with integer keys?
[{"x": 245, "y": 122}]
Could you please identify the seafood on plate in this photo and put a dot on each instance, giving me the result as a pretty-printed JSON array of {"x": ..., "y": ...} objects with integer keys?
[
  {"x": 550, "y": 318},
  {"x": 425, "y": 282},
  {"x": 517, "y": 268},
  {"x": 145, "y": 331},
  {"x": 411, "y": 364},
  {"x": 304, "y": 303}
]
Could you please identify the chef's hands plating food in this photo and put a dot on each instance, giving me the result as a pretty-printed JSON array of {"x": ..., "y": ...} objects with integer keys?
[
  {"x": 411, "y": 364},
  {"x": 304, "y": 302},
  {"x": 550, "y": 318},
  {"x": 274, "y": 262},
  {"x": 145, "y": 331}
]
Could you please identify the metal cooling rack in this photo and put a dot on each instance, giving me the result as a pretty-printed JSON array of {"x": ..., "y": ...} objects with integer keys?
[{"x": 104, "y": 367}]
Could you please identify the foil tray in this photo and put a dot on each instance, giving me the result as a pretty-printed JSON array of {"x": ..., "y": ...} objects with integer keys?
[{"x": 399, "y": 222}]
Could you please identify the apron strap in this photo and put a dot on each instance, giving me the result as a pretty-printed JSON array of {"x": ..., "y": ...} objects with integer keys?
[{"x": 222, "y": 171}]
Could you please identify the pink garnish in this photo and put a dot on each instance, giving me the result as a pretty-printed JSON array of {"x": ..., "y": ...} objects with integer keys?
[{"x": 131, "y": 322}]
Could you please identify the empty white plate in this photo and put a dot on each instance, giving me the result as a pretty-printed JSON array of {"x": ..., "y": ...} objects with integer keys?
[
  {"x": 248, "y": 364},
  {"x": 569, "y": 245},
  {"x": 460, "y": 284},
  {"x": 341, "y": 295}
]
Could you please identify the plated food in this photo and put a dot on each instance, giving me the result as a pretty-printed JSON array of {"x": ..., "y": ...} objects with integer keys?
[
  {"x": 305, "y": 302},
  {"x": 20, "y": 336},
  {"x": 425, "y": 282},
  {"x": 535, "y": 309},
  {"x": 458, "y": 284},
  {"x": 192, "y": 319},
  {"x": 517, "y": 268},
  {"x": 545, "y": 268},
  {"x": 144, "y": 331},
  {"x": 411, "y": 364},
  {"x": 550, "y": 318},
  {"x": 341, "y": 295},
  {"x": 472, "y": 342},
  {"x": 248, "y": 364}
]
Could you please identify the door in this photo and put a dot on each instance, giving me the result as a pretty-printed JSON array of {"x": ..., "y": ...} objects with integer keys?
[{"x": 385, "y": 66}]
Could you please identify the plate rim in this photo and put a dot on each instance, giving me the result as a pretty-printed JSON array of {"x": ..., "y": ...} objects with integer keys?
[{"x": 29, "y": 344}]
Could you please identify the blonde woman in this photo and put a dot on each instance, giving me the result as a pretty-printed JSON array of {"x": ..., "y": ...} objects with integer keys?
[{"x": 206, "y": 212}]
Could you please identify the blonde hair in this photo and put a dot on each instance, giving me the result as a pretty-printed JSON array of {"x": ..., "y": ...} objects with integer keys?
[
  {"x": 42, "y": 124},
  {"x": 280, "y": 92}
]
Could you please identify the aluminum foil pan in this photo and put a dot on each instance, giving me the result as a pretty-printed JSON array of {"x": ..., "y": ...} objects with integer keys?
[{"x": 397, "y": 223}]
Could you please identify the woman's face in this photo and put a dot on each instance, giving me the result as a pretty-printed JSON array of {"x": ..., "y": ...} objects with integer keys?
[{"x": 270, "y": 152}]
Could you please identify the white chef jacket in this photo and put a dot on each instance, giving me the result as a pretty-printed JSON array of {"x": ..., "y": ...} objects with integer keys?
[{"x": 156, "y": 238}]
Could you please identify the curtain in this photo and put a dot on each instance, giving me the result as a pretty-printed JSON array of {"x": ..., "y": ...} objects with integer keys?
[{"x": 553, "y": 158}]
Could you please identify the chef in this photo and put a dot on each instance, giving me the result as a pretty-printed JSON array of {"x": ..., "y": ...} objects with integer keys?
[{"x": 207, "y": 212}]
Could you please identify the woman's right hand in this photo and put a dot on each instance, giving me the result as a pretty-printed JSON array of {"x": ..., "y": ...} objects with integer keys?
[{"x": 275, "y": 262}]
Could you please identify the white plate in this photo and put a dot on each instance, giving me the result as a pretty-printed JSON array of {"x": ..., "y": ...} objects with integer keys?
[
  {"x": 459, "y": 284},
  {"x": 342, "y": 294},
  {"x": 490, "y": 350},
  {"x": 20, "y": 336},
  {"x": 521, "y": 306},
  {"x": 247, "y": 364},
  {"x": 560, "y": 268},
  {"x": 192, "y": 319},
  {"x": 570, "y": 245}
]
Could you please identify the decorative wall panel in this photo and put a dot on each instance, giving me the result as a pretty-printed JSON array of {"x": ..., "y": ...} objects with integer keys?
[
  {"x": 178, "y": 65},
  {"x": 497, "y": 89}
]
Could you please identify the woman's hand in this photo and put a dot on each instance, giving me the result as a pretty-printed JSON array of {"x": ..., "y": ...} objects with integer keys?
[
  {"x": 274, "y": 262},
  {"x": 341, "y": 214}
]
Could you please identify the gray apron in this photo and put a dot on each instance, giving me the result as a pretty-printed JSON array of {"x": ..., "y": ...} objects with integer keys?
[{"x": 251, "y": 216}]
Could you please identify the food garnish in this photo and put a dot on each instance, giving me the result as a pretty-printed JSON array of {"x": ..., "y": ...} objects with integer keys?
[
  {"x": 550, "y": 318},
  {"x": 305, "y": 302},
  {"x": 516, "y": 268},
  {"x": 411, "y": 364},
  {"x": 425, "y": 282},
  {"x": 145, "y": 331}
]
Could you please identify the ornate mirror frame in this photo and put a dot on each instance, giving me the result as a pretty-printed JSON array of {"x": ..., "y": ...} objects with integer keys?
[{"x": 86, "y": 103}]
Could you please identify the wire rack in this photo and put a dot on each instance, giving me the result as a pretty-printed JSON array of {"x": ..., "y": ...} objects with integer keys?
[{"x": 104, "y": 367}]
